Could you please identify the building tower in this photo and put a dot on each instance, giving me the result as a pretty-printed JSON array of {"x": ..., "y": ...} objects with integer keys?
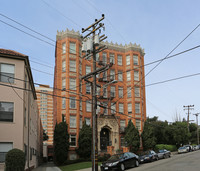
[
  {"x": 45, "y": 105},
  {"x": 119, "y": 101}
]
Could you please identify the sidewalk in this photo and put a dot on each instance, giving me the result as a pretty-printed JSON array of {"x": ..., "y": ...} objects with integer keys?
[
  {"x": 47, "y": 167},
  {"x": 88, "y": 169}
]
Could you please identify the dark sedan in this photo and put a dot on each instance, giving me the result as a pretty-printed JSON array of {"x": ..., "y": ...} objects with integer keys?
[
  {"x": 163, "y": 154},
  {"x": 120, "y": 162},
  {"x": 148, "y": 156}
]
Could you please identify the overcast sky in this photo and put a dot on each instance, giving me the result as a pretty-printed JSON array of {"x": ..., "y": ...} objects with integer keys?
[{"x": 158, "y": 26}]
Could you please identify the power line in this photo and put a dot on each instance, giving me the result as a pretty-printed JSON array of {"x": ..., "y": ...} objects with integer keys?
[
  {"x": 162, "y": 59},
  {"x": 26, "y": 27},
  {"x": 61, "y": 13},
  {"x": 64, "y": 90}
]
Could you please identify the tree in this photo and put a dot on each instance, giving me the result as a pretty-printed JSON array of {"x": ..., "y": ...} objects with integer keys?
[
  {"x": 132, "y": 137},
  {"x": 148, "y": 134},
  {"x": 61, "y": 142},
  {"x": 45, "y": 136},
  {"x": 85, "y": 141},
  {"x": 180, "y": 134}
]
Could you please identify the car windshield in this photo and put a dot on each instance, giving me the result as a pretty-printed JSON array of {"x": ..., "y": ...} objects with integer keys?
[
  {"x": 146, "y": 153},
  {"x": 161, "y": 151},
  {"x": 116, "y": 157},
  {"x": 182, "y": 147}
]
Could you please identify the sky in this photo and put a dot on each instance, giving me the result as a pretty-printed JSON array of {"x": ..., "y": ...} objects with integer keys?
[{"x": 158, "y": 26}]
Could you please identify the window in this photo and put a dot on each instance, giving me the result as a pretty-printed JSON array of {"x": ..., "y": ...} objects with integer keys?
[
  {"x": 63, "y": 83},
  {"x": 122, "y": 125},
  {"x": 128, "y": 62},
  {"x": 112, "y": 58},
  {"x": 105, "y": 110},
  {"x": 72, "y": 65},
  {"x": 105, "y": 75},
  {"x": 80, "y": 50},
  {"x": 63, "y": 48},
  {"x": 137, "y": 92},
  {"x": 72, "y": 102},
  {"x": 7, "y": 72},
  {"x": 88, "y": 106},
  {"x": 135, "y": 59},
  {"x": 88, "y": 88},
  {"x": 6, "y": 111},
  {"x": 123, "y": 144},
  {"x": 113, "y": 108},
  {"x": 25, "y": 114},
  {"x": 112, "y": 91},
  {"x": 120, "y": 92},
  {"x": 97, "y": 57},
  {"x": 87, "y": 70},
  {"x": 25, "y": 152},
  {"x": 105, "y": 92},
  {"x": 137, "y": 107},
  {"x": 80, "y": 104},
  {"x": 128, "y": 74},
  {"x": 72, "y": 84},
  {"x": 87, "y": 121},
  {"x": 98, "y": 107},
  {"x": 112, "y": 74},
  {"x": 129, "y": 107},
  {"x": 104, "y": 58},
  {"x": 120, "y": 76},
  {"x": 80, "y": 68},
  {"x": 72, "y": 140},
  {"x": 63, "y": 103},
  {"x": 119, "y": 59},
  {"x": 80, "y": 123},
  {"x": 128, "y": 92},
  {"x": 63, "y": 66},
  {"x": 98, "y": 91},
  {"x": 121, "y": 108},
  {"x": 138, "y": 124},
  {"x": 72, "y": 121},
  {"x": 72, "y": 47},
  {"x": 4, "y": 148},
  {"x": 136, "y": 75}
]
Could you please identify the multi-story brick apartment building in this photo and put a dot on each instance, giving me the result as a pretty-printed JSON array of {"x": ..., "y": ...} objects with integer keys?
[
  {"x": 124, "y": 100},
  {"x": 45, "y": 105},
  {"x": 20, "y": 125}
]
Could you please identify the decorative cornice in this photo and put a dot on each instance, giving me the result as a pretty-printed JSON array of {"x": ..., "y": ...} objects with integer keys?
[
  {"x": 115, "y": 46},
  {"x": 68, "y": 33}
]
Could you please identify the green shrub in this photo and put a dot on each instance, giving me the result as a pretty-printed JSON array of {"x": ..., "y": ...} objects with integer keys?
[
  {"x": 165, "y": 146},
  {"x": 15, "y": 160}
]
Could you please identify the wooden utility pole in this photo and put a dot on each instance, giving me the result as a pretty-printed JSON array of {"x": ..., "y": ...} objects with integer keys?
[
  {"x": 91, "y": 44},
  {"x": 188, "y": 108},
  {"x": 196, "y": 114}
]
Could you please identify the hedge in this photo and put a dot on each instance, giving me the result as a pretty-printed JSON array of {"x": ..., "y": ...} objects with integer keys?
[
  {"x": 15, "y": 160},
  {"x": 165, "y": 146}
]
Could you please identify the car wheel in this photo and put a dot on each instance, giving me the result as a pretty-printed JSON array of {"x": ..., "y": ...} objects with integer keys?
[
  {"x": 122, "y": 167},
  {"x": 136, "y": 163},
  {"x": 164, "y": 157}
]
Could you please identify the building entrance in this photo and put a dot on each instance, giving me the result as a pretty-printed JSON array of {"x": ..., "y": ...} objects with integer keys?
[{"x": 104, "y": 139}]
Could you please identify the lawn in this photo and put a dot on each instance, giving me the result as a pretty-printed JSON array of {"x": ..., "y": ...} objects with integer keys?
[{"x": 76, "y": 166}]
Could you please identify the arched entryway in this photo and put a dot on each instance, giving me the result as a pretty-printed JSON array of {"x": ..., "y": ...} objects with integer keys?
[{"x": 104, "y": 139}]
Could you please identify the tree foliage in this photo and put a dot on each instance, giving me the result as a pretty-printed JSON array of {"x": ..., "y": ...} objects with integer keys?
[
  {"x": 132, "y": 137},
  {"x": 61, "y": 143},
  {"x": 85, "y": 141},
  {"x": 148, "y": 135},
  {"x": 45, "y": 136}
]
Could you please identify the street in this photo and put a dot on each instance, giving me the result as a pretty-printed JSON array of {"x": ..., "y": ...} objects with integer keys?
[{"x": 179, "y": 162}]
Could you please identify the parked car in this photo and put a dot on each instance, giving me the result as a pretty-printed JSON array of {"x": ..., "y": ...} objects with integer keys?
[
  {"x": 121, "y": 162},
  {"x": 195, "y": 147},
  {"x": 189, "y": 147},
  {"x": 183, "y": 149},
  {"x": 148, "y": 156},
  {"x": 162, "y": 154}
]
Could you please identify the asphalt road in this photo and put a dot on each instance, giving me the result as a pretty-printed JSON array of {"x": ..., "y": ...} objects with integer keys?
[{"x": 180, "y": 162}]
